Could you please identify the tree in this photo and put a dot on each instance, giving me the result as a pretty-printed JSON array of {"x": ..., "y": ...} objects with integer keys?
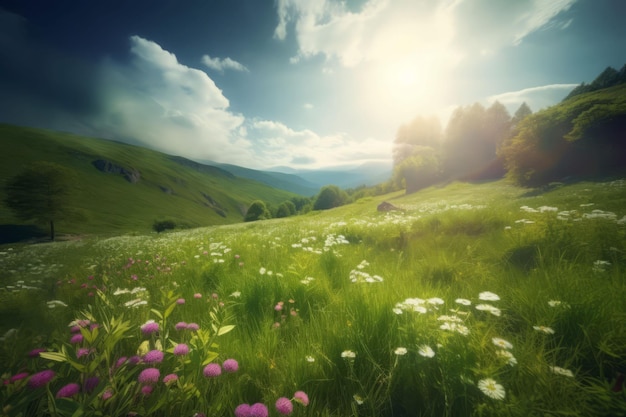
[
  {"x": 39, "y": 194},
  {"x": 330, "y": 196},
  {"x": 421, "y": 170},
  {"x": 286, "y": 209},
  {"x": 420, "y": 132},
  {"x": 520, "y": 114},
  {"x": 257, "y": 211}
]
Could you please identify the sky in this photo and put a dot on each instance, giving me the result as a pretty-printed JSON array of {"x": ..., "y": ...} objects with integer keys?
[{"x": 305, "y": 84}]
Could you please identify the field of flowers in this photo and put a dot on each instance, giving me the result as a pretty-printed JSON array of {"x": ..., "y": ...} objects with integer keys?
[{"x": 473, "y": 300}]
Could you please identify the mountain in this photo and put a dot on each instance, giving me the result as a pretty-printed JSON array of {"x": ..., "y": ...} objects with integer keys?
[
  {"x": 369, "y": 173},
  {"x": 120, "y": 188},
  {"x": 280, "y": 180}
]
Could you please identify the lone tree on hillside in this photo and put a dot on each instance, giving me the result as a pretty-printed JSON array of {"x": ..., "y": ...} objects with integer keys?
[
  {"x": 39, "y": 194},
  {"x": 329, "y": 197}
]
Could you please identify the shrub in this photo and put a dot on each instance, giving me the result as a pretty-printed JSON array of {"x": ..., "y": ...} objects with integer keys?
[
  {"x": 257, "y": 211},
  {"x": 163, "y": 225}
]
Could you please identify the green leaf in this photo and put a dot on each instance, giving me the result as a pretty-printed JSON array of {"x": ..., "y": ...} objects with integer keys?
[
  {"x": 225, "y": 329},
  {"x": 157, "y": 313},
  {"x": 169, "y": 310},
  {"x": 54, "y": 356},
  {"x": 209, "y": 357}
]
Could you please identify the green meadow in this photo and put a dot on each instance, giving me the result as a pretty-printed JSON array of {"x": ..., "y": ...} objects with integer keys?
[{"x": 473, "y": 300}]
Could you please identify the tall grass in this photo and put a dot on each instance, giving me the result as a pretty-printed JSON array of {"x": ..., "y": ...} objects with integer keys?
[{"x": 474, "y": 300}]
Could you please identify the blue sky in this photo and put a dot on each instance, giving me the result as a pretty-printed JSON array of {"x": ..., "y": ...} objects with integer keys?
[{"x": 297, "y": 83}]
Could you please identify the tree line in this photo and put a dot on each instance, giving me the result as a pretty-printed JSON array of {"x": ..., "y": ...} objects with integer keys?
[
  {"x": 581, "y": 137},
  {"x": 467, "y": 149}
]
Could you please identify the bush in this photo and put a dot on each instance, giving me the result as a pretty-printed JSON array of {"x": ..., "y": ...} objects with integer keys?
[
  {"x": 329, "y": 197},
  {"x": 257, "y": 211},
  {"x": 163, "y": 225}
]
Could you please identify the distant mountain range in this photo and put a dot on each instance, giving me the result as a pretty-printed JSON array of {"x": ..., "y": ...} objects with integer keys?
[{"x": 309, "y": 182}]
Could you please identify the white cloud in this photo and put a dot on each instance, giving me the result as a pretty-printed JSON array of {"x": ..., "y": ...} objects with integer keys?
[
  {"x": 220, "y": 64},
  {"x": 278, "y": 144},
  {"x": 539, "y": 14},
  {"x": 307, "y": 106},
  {"x": 156, "y": 101},
  {"x": 536, "y": 97},
  {"x": 386, "y": 30}
]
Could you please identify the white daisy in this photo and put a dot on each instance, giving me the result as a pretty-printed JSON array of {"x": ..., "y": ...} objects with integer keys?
[
  {"x": 426, "y": 351},
  {"x": 491, "y": 389},
  {"x": 400, "y": 351}
]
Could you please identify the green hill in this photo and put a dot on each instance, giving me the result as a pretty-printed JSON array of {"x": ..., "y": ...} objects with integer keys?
[
  {"x": 121, "y": 188},
  {"x": 580, "y": 138}
]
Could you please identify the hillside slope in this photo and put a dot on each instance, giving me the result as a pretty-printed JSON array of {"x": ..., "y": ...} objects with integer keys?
[{"x": 121, "y": 188}]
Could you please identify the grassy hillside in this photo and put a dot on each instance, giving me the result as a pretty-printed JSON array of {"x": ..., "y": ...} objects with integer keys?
[
  {"x": 475, "y": 300},
  {"x": 168, "y": 187}
]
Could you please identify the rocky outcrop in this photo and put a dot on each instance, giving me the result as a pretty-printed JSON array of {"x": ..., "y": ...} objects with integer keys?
[
  {"x": 130, "y": 174},
  {"x": 166, "y": 190},
  {"x": 212, "y": 203},
  {"x": 386, "y": 206}
]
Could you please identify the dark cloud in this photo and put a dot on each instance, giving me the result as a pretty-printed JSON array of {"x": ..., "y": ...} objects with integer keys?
[{"x": 35, "y": 76}]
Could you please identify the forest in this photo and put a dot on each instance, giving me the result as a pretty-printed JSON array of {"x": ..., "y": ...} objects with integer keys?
[{"x": 579, "y": 138}]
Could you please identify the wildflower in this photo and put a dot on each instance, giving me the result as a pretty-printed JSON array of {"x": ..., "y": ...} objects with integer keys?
[
  {"x": 284, "y": 406},
  {"x": 544, "y": 329},
  {"x": 80, "y": 352},
  {"x": 258, "y": 410},
  {"x": 505, "y": 354},
  {"x": 170, "y": 379},
  {"x": 554, "y": 303},
  {"x": 397, "y": 310},
  {"x": 309, "y": 358},
  {"x": 435, "y": 301},
  {"x": 561, "y": 371},
  {"x": 18, "y": 377},
  {"x": 197, "y": 295},
  {"x": 181, "y": 349},
  {"x": 400, "y": 351},
  {"x": 107, "y": 394},
  {"x": 463, "y": 301},
  {"x": 501, "y": 343},
  {"x": 149, "y": 376},
  {"x": 236, "y": 294},
  {"x": 212, "y": 370},
  {"x": 180, "y": 301},
  {"x": 489, "y": 308},
  {"x": 68, "y": 390},
  {"x": 242, "y": 410},
  {"x": 455, "y": 327},
  {"x": 35, "y": 352},
  {"x": 154, "y": 356},
  {"x": 279, "y": 306},
  {"x": 426, "y": 351},
  {"x": 230, "y": 365},
  {"x": 358, "y": 399},
  {"x": 491, "y": 389},
  {"x": 181, "y": 325},
  {"x": 134, "y": 360},
  {"x": 193, "y": 327},
  {"x": 348, "y": 354},
  {"x": 488, "y": 296},
  {"x": 146, "y": 390},
  {"x": 262, "y": 271},
  {"x": 91, "y": 383},
  {"x": 301, "y": 397},
  {"x": 76, "y": 339},
  {"x": 41, "y": 378},
  {"x": 121, "y": 361},
  {"x": 149, "y": 327}
]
